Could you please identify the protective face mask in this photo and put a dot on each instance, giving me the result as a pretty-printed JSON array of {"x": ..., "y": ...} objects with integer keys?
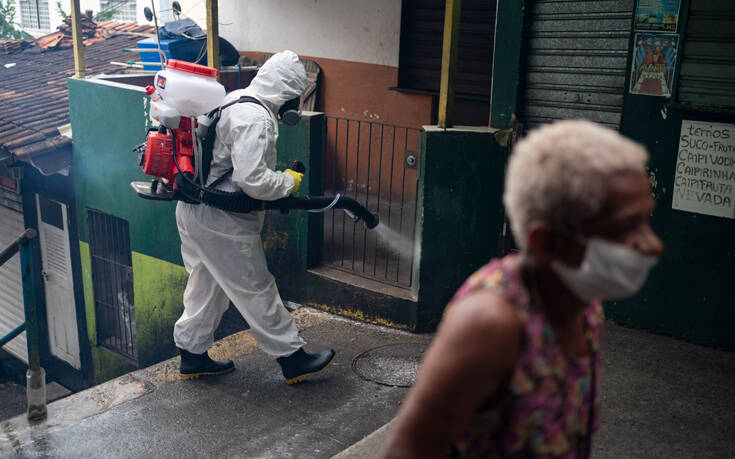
[
  {"x": 609, "y": 271},
  {"x": 289, "y": 112}
]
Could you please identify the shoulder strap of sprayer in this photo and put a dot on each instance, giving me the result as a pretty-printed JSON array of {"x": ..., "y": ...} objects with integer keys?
[{"x": 208, "y": 144}]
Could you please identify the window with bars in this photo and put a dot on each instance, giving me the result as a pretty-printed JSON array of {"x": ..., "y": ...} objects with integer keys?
[
  {"x": 422, "y": 32},
  {"x": 34, "y": 14},
  {"x": 112, "y": 281},
  {"x": 127, "y": 9}
]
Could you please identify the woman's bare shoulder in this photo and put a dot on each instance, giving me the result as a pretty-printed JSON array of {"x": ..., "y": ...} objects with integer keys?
[
  {"x": 483, "y": 311},
  {"x": 486, "y": 324}
]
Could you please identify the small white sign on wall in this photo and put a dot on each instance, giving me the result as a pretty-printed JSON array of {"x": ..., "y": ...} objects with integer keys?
[{"x": 705, "y": 169}]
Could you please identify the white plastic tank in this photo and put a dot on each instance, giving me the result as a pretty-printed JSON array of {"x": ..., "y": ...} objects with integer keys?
[{"x": 190, "y": 89}]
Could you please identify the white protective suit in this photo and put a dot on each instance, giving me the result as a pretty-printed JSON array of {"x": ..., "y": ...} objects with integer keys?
[{"x": 223, "y": 251}]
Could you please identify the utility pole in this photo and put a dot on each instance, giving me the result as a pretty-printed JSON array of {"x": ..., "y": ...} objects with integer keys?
[
  {"x": 212, "y": 34},
  {"x": 76, "y": 34},
  {"x": 452, "y": 17}
]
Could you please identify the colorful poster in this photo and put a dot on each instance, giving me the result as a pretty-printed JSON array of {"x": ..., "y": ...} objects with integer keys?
[
  {"x": 654, "y": 61},
  {"x": 705, "y": 169},
  {"x": 657, "y": 15}
]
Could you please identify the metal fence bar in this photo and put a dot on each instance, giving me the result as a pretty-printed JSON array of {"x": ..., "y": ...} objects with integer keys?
[
  {"x": 357, "y": 178},
  {"x": 370, "y": 256},
  {"x": 380, "y": 177},
  {"x": 390, "y": 193},
  {"x": 415, "y": 219},
  {"x": 403, "y": 190},
  {"x": 367, "y": 194},
  {"x": 344, "y": 217},
  {"x": 14, "y": 248},
  {"x": 334, "y": 167},
  {"x": 13, "y": 333},
  {"x": 117, "y": 282}
]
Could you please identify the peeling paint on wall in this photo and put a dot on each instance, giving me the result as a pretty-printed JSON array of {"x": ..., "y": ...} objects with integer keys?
[{"x": 158, "y": 289}]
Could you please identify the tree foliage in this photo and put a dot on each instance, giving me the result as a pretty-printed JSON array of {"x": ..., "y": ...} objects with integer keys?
[
  {"x": 106, "y": 15},
  {"x": 60, "y": 10}
]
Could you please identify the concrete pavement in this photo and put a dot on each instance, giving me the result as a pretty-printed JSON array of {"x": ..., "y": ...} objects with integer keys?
[
  {"x": 661, "y": 397},
  {"x": 250, "y": 412}
]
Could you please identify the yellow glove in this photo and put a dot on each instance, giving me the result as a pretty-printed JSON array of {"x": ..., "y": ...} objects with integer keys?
[{"x": 297, "y": 177}]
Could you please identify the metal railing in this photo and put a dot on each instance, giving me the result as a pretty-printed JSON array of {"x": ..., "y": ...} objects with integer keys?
[
  {"x": 377, "y": 165},
  {"x": 36, "y": 375},
  {"x": 6, "y": 255}
]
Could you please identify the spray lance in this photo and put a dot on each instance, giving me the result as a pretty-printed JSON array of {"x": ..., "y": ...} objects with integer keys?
[{"x": 177, "y": 153}]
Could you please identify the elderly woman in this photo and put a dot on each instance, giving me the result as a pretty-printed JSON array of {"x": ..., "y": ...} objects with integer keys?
[{"x": 513, "y": 370}]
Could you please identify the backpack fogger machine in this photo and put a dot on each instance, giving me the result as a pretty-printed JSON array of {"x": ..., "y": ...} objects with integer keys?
[{"x": 185, "y": 101}]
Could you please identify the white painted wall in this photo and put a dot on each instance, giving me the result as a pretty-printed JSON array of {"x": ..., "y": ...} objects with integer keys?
[
  {"x": 54, "y": 17},
  {"x": 351, "y": 30}
]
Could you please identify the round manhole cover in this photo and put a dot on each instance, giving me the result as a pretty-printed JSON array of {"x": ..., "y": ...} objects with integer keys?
[{"x": 391, "y": 364}]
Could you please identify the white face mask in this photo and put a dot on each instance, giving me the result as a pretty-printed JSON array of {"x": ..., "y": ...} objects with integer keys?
[{"x": 609, "y": 271}]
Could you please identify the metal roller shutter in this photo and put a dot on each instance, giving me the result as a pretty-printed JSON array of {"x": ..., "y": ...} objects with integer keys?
[
  {"x": 11, "y": 288},
  {"x": 707, "y": 75},
  {"x": 576, "y": 61}
]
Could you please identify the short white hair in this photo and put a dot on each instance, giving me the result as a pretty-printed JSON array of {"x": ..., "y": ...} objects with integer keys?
[{"x": 558, "y": 172}]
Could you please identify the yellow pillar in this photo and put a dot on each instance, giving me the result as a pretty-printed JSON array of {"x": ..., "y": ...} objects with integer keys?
[
  {"x": 212, "y": 34},
  {"x": 452, "y": 16},
  {"x": 76, "y": 34}
]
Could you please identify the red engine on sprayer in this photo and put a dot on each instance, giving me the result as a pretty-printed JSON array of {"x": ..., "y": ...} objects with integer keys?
[{"x": 181, "y": 92}]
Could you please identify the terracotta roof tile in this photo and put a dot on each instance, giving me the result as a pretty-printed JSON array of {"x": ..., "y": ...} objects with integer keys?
[{"x": 33, "y": 92}]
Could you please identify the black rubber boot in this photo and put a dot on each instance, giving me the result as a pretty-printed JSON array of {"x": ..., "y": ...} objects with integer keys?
[
  {"x": 196, "y": 365},
  {"x": 300, "y": 365}
]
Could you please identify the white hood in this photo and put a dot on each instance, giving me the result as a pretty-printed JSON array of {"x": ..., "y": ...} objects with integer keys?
[{"x": 280, "y": 79}]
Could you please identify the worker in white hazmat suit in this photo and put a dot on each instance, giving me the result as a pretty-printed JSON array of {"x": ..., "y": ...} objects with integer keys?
[{"x": 223, "y": 251}]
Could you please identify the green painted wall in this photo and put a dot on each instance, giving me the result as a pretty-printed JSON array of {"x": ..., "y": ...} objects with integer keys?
[
  {"x": 292, "y": 239},
  {"x": 461, "y": 190},
  {"x": 158, "y": 287},
  {"x": 689, "y": 294},
  {"x": 107, "y": 121},
  {"x": 507, "y": 58}
]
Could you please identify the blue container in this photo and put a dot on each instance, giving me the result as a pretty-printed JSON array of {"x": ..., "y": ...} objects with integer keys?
[{"x": 182, "y": 49}]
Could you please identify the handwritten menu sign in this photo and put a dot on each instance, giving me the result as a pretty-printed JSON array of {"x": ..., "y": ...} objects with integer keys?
[{"x": 705, "y": 169}]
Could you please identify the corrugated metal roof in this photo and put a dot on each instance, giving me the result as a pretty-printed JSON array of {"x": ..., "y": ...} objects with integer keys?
[{"x": 33, "y": 92}]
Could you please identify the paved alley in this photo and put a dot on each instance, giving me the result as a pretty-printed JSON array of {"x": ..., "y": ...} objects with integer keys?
[{"x": 661, "y": 398}]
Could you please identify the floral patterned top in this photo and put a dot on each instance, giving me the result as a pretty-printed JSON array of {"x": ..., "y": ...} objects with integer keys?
[{"x": 544, "y": 411}]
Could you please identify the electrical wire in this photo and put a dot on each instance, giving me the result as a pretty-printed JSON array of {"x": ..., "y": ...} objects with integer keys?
[
  {"x": 186, "y": 14},
  {"x": 164, "y": 59},
  {"x": 191, "y": 8},
  {"x": 202, "y": 51}
]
